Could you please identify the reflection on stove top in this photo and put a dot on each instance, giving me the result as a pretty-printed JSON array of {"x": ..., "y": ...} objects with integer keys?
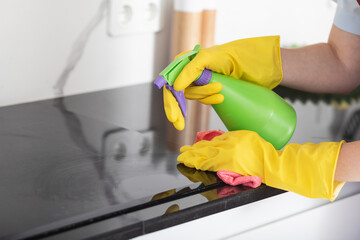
[{"x": 74, "y": 161}]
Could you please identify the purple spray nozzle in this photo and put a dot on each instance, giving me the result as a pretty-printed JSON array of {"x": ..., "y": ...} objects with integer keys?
[
  {"x": 159, "y": 82},
  {"x": 204, "y": 79}
]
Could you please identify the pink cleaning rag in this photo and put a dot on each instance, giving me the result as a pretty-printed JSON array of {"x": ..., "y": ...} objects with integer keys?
[
  {"x": 229, "y": 177},
  {"x": 233, "y": 179},
  {"x": 208, "y": 135}
]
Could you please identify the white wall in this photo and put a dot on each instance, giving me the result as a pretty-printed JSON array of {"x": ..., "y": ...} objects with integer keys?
[
  {"x": 44, "y": 41},
  {"x": 297, "y": 22}
]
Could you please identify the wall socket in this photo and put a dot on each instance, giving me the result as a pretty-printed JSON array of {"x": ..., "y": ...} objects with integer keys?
[{"x": 127, "y": 17}]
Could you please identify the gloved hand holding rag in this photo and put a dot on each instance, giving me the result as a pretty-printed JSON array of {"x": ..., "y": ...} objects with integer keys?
[{"x": 307, "y": 169}]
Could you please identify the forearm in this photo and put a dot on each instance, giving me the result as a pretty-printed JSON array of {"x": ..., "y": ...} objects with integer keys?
[
  {"x": 326, "y": 67},
  {"x": 348, "y": 164},
  {"x": 313, "y": 68}
]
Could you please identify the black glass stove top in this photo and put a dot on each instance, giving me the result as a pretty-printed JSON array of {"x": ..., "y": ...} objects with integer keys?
[{"x": 71, "y": 162}]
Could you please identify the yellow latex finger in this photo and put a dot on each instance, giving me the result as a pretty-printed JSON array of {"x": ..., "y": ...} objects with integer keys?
[
  {"x": 189, "y": 74},
  {"x": 210, "y": 155},
  {"x": 192, "y": 159},
  {"x": 179, "y": 124},
  {"x": 199, "y": 92},
  {"x": 185, "y": 148},
  {"x": 171, "y": 106},
  {"x": 214, "y": 99}
]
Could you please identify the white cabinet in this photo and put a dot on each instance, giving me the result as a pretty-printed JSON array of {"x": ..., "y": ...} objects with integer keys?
[{"x": 339, "y": 220}]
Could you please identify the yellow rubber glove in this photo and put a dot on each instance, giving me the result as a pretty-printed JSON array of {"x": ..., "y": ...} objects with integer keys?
[
  {"x": 255, "y": 60},
  {"x": 307, "y": 169}
]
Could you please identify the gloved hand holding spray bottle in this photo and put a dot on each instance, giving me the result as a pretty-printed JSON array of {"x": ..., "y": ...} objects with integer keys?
[{"x": 260, "y": 123}]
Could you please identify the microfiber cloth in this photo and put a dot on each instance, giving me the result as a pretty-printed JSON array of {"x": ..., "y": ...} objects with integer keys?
[{"x": 229, "y": 177}]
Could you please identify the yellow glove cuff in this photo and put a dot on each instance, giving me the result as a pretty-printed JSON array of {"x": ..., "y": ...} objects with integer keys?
[{"x": 307, "y": 169}]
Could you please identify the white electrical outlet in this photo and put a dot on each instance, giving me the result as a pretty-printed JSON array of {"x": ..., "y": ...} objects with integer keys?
[{"x": 134, "y": 16}]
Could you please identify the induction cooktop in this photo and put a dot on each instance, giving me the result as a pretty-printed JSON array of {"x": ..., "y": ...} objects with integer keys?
[{"x": 77, "y": 161}]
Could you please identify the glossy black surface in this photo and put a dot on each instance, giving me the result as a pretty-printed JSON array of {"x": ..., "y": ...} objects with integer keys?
[{"x": 96, "y": 164}]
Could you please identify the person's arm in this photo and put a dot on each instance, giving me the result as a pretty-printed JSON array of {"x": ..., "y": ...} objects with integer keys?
[
  {"x": 348, "y": 164},
  {"x": 331, "y": 67}
]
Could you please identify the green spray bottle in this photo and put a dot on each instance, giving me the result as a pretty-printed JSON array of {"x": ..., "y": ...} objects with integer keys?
[{"x": 246, "y": 106}]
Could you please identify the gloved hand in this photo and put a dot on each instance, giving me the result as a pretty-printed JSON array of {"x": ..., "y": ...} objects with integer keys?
[
  {"x": 255, "y": 60},
  {"x": 307, "y": 169}
]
